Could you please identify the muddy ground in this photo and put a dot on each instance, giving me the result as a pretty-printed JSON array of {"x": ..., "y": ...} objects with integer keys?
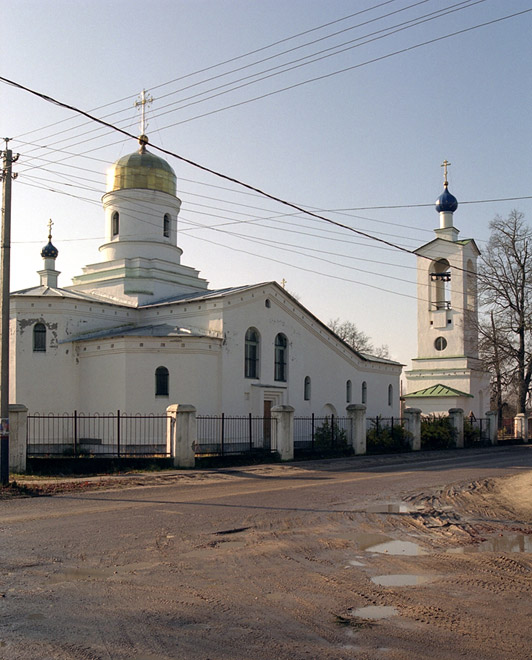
[{"x": 443, "y": 574}]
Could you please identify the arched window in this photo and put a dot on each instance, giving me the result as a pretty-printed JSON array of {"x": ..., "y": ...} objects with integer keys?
[
  {"x": 281, "y": 357},
  {"x": 166, "y": 225},
  {"x": 348, "y": 390},
  {"x": 306, "y": 389},
  {"x": 39, "y": 337},
  {"x": 440, "y": 279},
  {"x": 161, "y": 381},
  {"x": 390, "y": 395},
  {"x": 251, "y": 354},
  {"x": 115, "y": 224},
  {"x": 364, "y": 392}
]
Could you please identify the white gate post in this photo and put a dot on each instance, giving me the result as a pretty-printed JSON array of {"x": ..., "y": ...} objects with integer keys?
[
  {"x": 357, "y": 419},
  {"x": 412, "y": 417},
  {"x": 181, "y": 434},
  {"x": 493, "y": 426},
  {"x": 457, "y": 422},
  {"x": 18, "y": 424},
  {"x": 283, "y": 416},
  {"x": 519, "y": 426}
]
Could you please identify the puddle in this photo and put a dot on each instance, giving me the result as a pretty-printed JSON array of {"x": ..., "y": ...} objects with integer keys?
[
  {"x": 405, "y": 580},
  {"x": 80, "y": 574},
  {"x": 355, "y": 562},
  {"x": 375, "y": 612},
  {"x": 386, "y": 545},
  {"x": 394, "y": 507},
  {"x": 510, "y": 543}
]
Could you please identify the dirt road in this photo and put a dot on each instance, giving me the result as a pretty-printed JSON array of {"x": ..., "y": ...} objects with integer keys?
[{"x": 395, "y": 559}]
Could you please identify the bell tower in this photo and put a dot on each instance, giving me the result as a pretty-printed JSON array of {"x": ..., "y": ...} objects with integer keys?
[{"x": 447, "y": 372}]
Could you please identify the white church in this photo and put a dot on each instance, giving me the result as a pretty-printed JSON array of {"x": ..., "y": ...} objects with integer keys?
[
  {"x": 447, "y": 372},
  {"x": 139, "y": 330}
]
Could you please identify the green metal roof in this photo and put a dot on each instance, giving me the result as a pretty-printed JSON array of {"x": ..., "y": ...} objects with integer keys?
[{"x": 436, "y": 390}]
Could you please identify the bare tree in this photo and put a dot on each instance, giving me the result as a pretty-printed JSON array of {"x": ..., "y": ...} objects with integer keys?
[
  {"x": 357, "y": 339},
  {"x": 505, "y": 287}
]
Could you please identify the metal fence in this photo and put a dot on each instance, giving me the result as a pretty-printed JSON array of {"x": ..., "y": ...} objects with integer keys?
[
  {"x": 113, "y": 434},
  {"x": 315, "y": 434},
  {"x": 476, "y": 432},
  {"x": 386, "y": 434},
  {"x": 222, "y": 435}
]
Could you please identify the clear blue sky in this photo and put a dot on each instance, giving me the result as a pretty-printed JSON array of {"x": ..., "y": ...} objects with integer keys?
[{"x": 374, "y": 135}]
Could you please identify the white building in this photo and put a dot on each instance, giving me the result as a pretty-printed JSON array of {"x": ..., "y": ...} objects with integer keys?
[
  {"x": 139, "y": 331},
  {"x": 447, "y": 372}
]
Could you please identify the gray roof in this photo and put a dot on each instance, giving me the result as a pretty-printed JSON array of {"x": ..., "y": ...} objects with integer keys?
[{"x": 130, "y": 330}]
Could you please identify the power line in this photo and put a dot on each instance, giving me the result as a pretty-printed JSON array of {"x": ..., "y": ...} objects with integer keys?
[
  {"x": 390, "y": 30},
  {"x": 219, "y": 64}
]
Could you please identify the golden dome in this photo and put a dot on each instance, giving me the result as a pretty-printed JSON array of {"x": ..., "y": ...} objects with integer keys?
[{"x": 141, "y": 169}]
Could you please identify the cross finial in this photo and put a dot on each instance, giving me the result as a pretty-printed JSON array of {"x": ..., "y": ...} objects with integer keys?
[
  {"x": 283, "y": 283},
  {"x": 142, "y": 105},
  {"x": 445, "y": 164},
  {"x": 50, "y": 223}
]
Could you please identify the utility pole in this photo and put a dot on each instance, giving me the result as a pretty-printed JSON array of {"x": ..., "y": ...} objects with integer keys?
[{"x": 5, "y": 254}]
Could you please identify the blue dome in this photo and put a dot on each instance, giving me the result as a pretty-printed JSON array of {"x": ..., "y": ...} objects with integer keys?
[
  {"x": 446, "y": 202},
  {"x": 49, "y": 251}
]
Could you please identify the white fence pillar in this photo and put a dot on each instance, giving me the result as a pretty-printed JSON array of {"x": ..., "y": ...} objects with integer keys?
[
  {"x": 18, "y": 425},
  {"x": 412, "y": 417},
  {"x": 181, "y": 434},
  {"x": 457, "y": 422},
  {"x": 493, "y": 426},
  {"x": 520, "y": 430},
  {"x": 357, "y": 421},
  {"x": 283, "y": 419}
]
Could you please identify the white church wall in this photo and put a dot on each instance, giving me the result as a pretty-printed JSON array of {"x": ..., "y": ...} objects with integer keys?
[
  {"x": 124, "y": 369},
  {"x": 44, "y": 381},
  {"x": 312, "y": 352}
]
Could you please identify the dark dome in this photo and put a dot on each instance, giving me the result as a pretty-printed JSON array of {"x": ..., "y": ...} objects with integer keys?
[
  {"x": 49, "y": 251},
  {"x": 446, "y": 202}
]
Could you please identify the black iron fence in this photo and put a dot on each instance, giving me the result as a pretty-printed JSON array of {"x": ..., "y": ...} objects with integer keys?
[
  {"x": 476, "y": 432},
  {"x": 386, "y": 434},
  {"x": 315, "y": 434},
  {"x": 223, "y": 435},
  {"x": 112, "y": 434}
]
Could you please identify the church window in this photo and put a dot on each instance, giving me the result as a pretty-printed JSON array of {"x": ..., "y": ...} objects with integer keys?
[
  {"x": 364, "y": 392},
  {"x": 440, "y": 344},
  {"x": 251, "y": 354},
  {"x": 348, "y": 388},
  {"x": 161, "y": 381},
  {"x": 166, "y": 225},
  {"x": 39, "y": 337},
  {"x": 115, "y": 224},
  {"x": 306, "y": 389},
  {"x": 390, "y": 395},
  {"x": 281, "y": 355}
]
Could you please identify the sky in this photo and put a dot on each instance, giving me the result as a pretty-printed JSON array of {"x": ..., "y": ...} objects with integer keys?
[{"x": 346, "y": 108}]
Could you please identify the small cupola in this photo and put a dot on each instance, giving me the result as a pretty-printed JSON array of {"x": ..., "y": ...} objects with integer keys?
[
  {"x": 446, "y": 205},
  {"x": 49, "y": 254}
]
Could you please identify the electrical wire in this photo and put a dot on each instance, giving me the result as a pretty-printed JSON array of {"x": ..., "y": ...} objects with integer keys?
[{"x": 390, "y": 30}]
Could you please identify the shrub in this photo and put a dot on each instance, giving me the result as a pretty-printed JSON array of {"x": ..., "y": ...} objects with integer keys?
[
  {"x": 329, "y": 435},
  {"x": 471, "y": 434},
  {"x": 383, "y": 439},
  {"x": 437, "y": 432}
]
